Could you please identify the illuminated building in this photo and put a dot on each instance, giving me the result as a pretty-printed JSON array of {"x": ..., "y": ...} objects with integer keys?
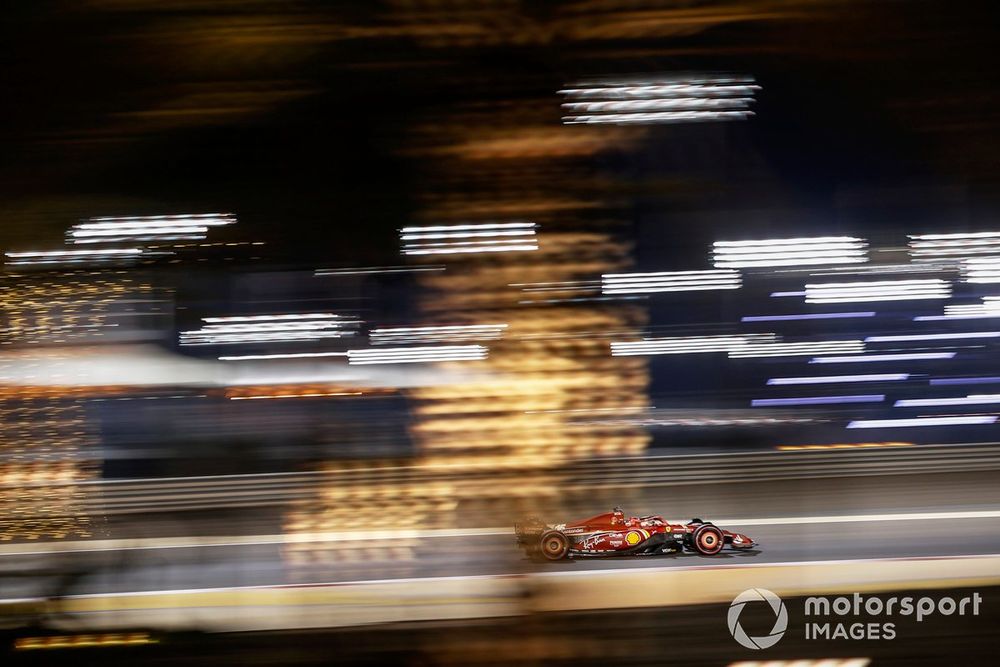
[{"x": 47, "y": 444}]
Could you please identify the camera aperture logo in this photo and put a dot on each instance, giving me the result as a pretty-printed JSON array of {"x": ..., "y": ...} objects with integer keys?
[{"x": 780, "y": 618}]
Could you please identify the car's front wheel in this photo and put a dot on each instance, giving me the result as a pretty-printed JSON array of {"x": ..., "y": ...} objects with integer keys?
[{"x": 708, "y": 540}]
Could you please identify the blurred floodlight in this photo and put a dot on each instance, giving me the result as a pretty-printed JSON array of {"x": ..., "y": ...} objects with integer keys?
[
  {"x": 933, "y": 247},
  {"x": 974, "y": 399},
  {"x": 878, "y": 290},
  {"x": 834, "y": 379},
  {"x": 147, "y": 228},
  {"x": 70, "y": 257},
  {"x": 685, "y": 344},
  {"x": 923, "y": 421},
  {"x": 294, "y": 355},
  {"x": 436, "y": 334},
  {"x": 817, "y": 400},
  {"x": 986, "y": 379},
  {"x": 670, "y": 281},
  {"x": 790, "y": 252},
  {"x": 270, "y": 329},
  {"x": 923, "y": 337},
  {"x": 901, "y": 356},
  {"x": 797, "y": 349},
  {"x": 668, "y": 99},
  {"x": 456, "y": 239},
  {"x": 806, "y": 316},
  {"x": 412, "y": 355},
  {"x": 984, "y": 270}
]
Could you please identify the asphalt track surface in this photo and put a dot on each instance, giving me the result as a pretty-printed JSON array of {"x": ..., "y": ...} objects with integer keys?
[{"x": 832, "y": 519}]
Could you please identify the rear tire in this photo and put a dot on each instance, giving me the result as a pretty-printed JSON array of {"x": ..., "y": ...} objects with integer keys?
[
  {"x": 554, "y": 545},
  {"x": 708, "y": 540}
]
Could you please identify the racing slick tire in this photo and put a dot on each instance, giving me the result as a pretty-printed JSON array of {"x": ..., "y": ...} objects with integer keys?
[
  {"x": 553, "y": 545},
  {"x": 708, "y": 540}
]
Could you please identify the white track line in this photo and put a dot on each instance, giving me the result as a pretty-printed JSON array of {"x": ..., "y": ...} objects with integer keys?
[
  {"x": 32, "y": 549},
  {"x": 869, "y": 518}
]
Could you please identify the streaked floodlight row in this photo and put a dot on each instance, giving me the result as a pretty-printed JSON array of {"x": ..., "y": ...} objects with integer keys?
[
  {"x": 972, "y": 399},
  {"x": 878, "y": 290},
  {"x": 412, "y": 355},
  {"x": 807, "y": 316},
  {"x": 476, "y": 238},
  {"x": 436, "y": 334},
  {"x": 294, "y": 355},
  {"x": 667, "y": 100},
  {"x": 989, "y": 308},
  {"x": 806, "y": 348},
  {"x": 833, "y": 379},
  {"x": 685, "y": 344},
  {"x": 789, "y": 252},
  {"x": 249, "y": 329},
  {"x": 932, "y": 337},
  {"x": 63, "y": 257},
  {"x": 967, "y": 420},
  {"x": 983, "y": 379},
  {"x": 670, "y": 281},
  {"x": 901, "y": 356},
  {"x": 147, "y": 228},
  {"x": 982, "y": 270},
  {"x": 817, "y": 400},
  {"x": 931, "y": 247}
]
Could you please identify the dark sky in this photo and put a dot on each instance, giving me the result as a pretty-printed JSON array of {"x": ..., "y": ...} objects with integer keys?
[{"x": 298, "y": 115}]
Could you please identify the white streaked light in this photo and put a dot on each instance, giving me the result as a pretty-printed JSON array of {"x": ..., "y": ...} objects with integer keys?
[
  {"x": 270, "y": 328},
  {"x": 790, "y": 252},
  {"x": 58, "y": 257},
  {"x": 410, "y": 355},
  {"x": 670, "y": 281},
  {"x": 32, "y": 254},
  {"x": 974, "y": 399},
  {"x": 797, "y": 349},
  {"x": 455, "y": 239},
  {"x": 685, "y": 344},
  {"x": 101, "y": 234},
  {"x": 273, "y": 318},
  {"x": 436, "y": 334},
  {"x": 806, "y": 316},
  {"x": 670, "y": 100},
  {"x": 923, "y": 421},
  {"x": 297, "y": 355},
  {"x": 879, "y": 290},
  {"x": 833, "y": 379},
  {"x": 203, "y": 219},
  {"x": 817, "y": 400},
  {"x": 922, "y": 337},
  {"x": 932, "y": 247},
  {"x": 983, "y": 270},
  {"x": 147, "y": 228},
  {"x": 902, "y": 356}
]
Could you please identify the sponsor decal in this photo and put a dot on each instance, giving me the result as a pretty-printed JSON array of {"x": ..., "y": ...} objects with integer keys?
[{"x": 633, "y": 538}]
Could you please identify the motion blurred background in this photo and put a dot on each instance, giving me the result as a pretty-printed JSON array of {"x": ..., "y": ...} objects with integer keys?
[{"x": 305, "y": 303}]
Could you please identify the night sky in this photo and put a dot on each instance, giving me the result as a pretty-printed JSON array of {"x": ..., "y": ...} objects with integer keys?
[{"x": 874, "y": 116}]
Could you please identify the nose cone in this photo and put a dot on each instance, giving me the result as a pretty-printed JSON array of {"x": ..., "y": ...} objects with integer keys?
[{"x": 741, "y": 541}]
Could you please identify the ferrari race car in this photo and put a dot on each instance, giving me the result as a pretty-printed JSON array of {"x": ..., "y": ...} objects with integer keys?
[{"x": 611, "y": 534}]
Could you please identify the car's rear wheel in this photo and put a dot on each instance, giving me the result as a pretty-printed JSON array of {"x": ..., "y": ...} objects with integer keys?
[
  {"x": 708, "y": 540},
  {"x": 554, "y": 545}
]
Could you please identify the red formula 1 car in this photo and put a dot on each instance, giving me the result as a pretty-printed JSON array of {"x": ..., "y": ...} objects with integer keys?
[{"x": 611, "y": 534}]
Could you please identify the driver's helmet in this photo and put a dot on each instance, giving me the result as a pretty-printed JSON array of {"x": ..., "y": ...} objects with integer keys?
[{"x": 617, "y": 516}]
